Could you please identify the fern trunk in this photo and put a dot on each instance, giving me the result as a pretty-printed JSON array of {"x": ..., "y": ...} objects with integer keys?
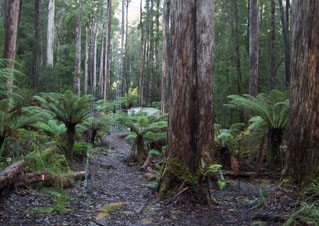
[
  {"x": 274, "y": 142},
  {"x": 69, "y": 152},
  {"x": 140, "y": 150}
]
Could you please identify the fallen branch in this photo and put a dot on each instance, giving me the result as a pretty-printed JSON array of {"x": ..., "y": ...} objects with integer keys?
[
  {"x": 49, "y": 180},
  {"x": 8, "y": 176}
]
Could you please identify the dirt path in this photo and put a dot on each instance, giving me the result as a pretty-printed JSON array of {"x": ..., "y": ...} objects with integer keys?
[{"x": 125, "y": 199}]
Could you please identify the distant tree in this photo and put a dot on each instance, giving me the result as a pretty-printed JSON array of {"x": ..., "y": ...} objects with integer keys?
[
  {"x": 77, "y": 77},
  {"x": 273, "y": 47},
  {"x": 303, "y": 139},
  {"x": 107, "y": 52},
  {"x": 11, "y": 33},
  {"x": 191, "y": 117},
  {"x": 50, "y": 33},
  {"x": 253, "y": 47}
]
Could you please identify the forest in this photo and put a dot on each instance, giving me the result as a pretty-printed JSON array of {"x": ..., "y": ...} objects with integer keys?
[{"x": 159, "y": 112}]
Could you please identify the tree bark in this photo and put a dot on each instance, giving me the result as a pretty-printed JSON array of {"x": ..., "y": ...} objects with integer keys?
[
  {"x": 303, "y": 139},
  {"x": 253, "y": 48},
  {"x": 190, "y": 126},
  {"x": 86, "y": 62},
  {"x": 35, "y": 52},
  {"x": 11, "y": 33},
  {"x": 164, "y": 58},
  {"x": 77, "y": 79},
  {"x": 273, "y": 48},
  {"x": 286, "y": 43},
  {"x": 95, "y": 35},
  {"x": 101, "y": 64},
  {"x": 50, "y": 33},
  {"x": 107, "y": 52},
  {"x": 142, "y": 56}
]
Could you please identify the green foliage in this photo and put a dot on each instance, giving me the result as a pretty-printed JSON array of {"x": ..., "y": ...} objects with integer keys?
[
  {"x": 272, "y": 108},
  {"x": 51, "y": 128},
  {"x": 14, "y": 117},
  {"x": 68, "y": 108},
  {"x": 48, "y": 160},
  {"x": 59, "y": 198},
  {"x": 308, "y": 211},
  {"x": 213, "y": 169},
  {"x": 221, "y": 184}
]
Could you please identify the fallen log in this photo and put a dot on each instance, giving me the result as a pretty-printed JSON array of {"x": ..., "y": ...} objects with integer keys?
[
  {"x": 49, "y": 180},
  {"x": 9, "y": 175},
  {"x": 244, "y": 174}
]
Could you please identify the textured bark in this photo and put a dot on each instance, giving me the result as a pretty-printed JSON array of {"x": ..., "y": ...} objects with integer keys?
[
  {"x": 11, "y": 32},
  {"x": 237, "y": 50},
  {"x": 95, "y": 35},
  {"x": 122, "y": 47},
  {"x": 86, "y": 62},
  {"x": 9, "y": 174},
  {"x": 101, "y": 64},
  {"x": 107, "y": 52},
  {"x": 164, "y": 58},
  {"x": 151, "y": 54},
  {"x": 253, "y": 48},
  {"x": 303, "y": 139},
  {"x": 77, "y": 79},
  {"x": 273, "y": 48},
  {"x": 286, "y": 42},
  {"x": 126, "y": 60},
  {"x": 50, "y": 33},
  {"x": 35, "y": 52},
  {"x": 190, "y": 129},
  {"x": 142, "y": 56}
]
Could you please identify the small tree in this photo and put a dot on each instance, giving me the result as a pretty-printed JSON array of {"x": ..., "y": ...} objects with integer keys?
[
  {"x": 69, "y": 109},
  {"x": 273, "y": 110}
]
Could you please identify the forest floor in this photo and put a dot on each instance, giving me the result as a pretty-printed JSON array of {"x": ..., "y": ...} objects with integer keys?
[{"x": 118, "y": 194}]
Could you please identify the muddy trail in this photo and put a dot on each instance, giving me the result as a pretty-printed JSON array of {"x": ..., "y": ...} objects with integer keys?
[{"x": 118, "y": 194}]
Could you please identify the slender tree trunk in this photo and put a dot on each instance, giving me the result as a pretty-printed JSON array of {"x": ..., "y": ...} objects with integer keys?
[
  {"x": 151, "y": 55},
  {"x": 107, "y": 52},
  {"x": 237, "y": 50},
  {"x": 273, "y": 48},
  {"x": 50, "y": 33},
  {"x": 77, "y": 78},
  {"x": 86, "y": 62},
  {"x": 101, "y": 63},
  {"x": 157, "y": 77},
  {"x": 11, "y": 33},
  {"x": 142, "y": 60},
  {"x": 190, "y": 126},
  {"x": 253, "y": 48},
  {"x": 95, "y": 35},
  {"x": 286, "y": 42},
  {"x": 303, "y": 139},
  {"x": 126, "y": 62},
  {"x": 164, "y": 58},
  {"x": 35, "y": 64}
]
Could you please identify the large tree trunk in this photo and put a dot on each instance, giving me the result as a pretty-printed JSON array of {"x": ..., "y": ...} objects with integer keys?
[
  {"x": 107, "y": 52},
  {"x": 190, "y": 126},
  {"x": 150, "y": 32},
  {"x": 286, "y": 42},
  {"x": 253, "y": 48},
  {"x": 303, "y": 139},
  {"x": 95, "y": 36},
  {"x": 86, "y": 61},
  {"x": 164, "y": 57},
  {"x": 273, "y": 48},
  {"x": 142, "y": 56},
  {"x": 11, "y": 33},
  {"x": 77, "y": 78},
  {"x": 50, "y": 33},
  {"x": 35, "y": 65},
  {"x": 70, "y": 134}
]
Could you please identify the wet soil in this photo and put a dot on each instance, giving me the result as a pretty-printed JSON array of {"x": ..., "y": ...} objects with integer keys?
[{"x": 118, "y": 194}]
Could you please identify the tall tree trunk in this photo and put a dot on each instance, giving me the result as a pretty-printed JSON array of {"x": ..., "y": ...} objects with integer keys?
[
  {"x": 286, "y": 42},
  {"x": 151, "y": 55},
  {"x": 164, "y": 57},
  {"x": 303, "y": 139},
  {"x": 107, "y": 52},
  {"x": 11, "y": 33},
  {"x": 126, "y": 61},
  {"x": 190, "y": 126},
  {"x": 86, "y": 61},
  {"x": 253, "y": 48},
  {"x": 35, "y": 64},
  {"x": 142, "y": 60},
  {"x": 273, "y": 48},
  {"x": 237, "y": 50},
  {"x": 101, "y": 64},
  {"x": 77, "y": 78},
  {"x": 50, "y": 33},
  {"x": 157, "y": 77},
  {"x": 95, "y": 35}
]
